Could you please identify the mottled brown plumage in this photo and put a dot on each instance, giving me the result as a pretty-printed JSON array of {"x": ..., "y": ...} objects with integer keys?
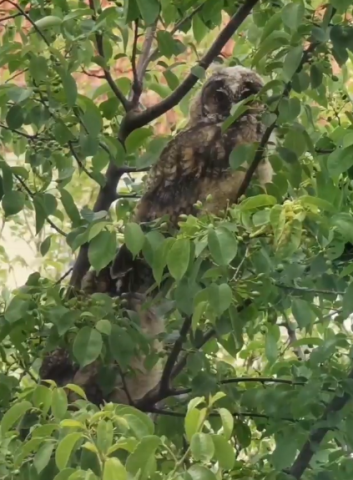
[{"x": 194, "y": 164}]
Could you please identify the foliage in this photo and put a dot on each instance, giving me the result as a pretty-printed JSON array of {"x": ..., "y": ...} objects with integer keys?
[{"x": 262, "y": 296}]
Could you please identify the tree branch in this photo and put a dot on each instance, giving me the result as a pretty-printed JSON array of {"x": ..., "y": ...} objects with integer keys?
[
  {"x": 137, "y": 120},
  {"x": 173, "y": 357},
  {"x": 99, "y": 41},
  {"x": 172, "y": 413},
  {"x": 137, "y": 82},
  {"x": 28, "y": 18},
  {"x": 305, "y": 456}
]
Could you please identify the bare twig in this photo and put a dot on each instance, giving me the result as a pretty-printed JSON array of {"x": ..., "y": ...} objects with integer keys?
[
  {"x": 80, "y": 164},
  {"x": 172, "y": 413},
  {"x": 173, "y": 357},
  {"x": 90, "y": 74},
  {"x": 32, "y": 195},
  {"x": 308, "y": 290},
  {"x": 10, "y": 17},
  {"x": 263, "y": 380},
  {"x": 99, "y": 41},
  {"x": 66, "y": 274},
  {"x": 303, "y": 460}
]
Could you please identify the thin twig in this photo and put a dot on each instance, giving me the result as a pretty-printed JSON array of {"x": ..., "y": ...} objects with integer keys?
[
  {"x": 263, "y": 380},
  {"x": 32, "y": 195},
  {"x": 99, "y": 41},
  {"x": 28, "y": 18},
  {"x": 66, "y": 274},
  {"x": 308, "y": 290},
  {"x": 80, "y": 164},
  {"x": 9, "y": 17},
  {"x": 213, "y": 414}
]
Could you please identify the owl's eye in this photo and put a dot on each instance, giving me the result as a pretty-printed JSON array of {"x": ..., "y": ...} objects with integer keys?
[{"x": 250, "y": 88}]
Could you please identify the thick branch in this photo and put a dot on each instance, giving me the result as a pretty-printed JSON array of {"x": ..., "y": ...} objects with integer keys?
[
  {"x": 305, "y": 456},
  {"x": 137, "y": 120}
]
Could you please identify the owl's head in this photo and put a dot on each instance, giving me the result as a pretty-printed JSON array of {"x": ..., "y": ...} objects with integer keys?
[{"x": 225, "y": 87}]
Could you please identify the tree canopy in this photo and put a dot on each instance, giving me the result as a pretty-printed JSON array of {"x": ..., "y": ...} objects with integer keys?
[{"x": 258, "y": 374}]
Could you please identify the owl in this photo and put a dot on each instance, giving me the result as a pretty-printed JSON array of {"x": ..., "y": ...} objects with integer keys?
[{"x": 193, "y": 164}]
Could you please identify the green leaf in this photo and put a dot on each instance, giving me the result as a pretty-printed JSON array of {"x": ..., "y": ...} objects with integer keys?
[
  {"x": 167, "y": 44},
  {"x": 320, "y": 203},
  {"x": 199, "y": 472},
  {"x": 142, "y": 454},
  {"x": 347, "y": 302},
  {"x": 70, "y": 207},
  {"x": 344, "y": 224},
  {"x": 224, "y": 453},
  {"x": 243, "y": 153},
  {"x": 292, "y": 62},
  {"x": 70, "y": 87},
  {"x": 193, "y": 421},
  {"x": 178, "y": 258},
  {"x": 199, "y": 28},
  {"x": 65, "y": 448},
  {"x": 271, "y": 348},
  {"x": 302, "y": 312},
  {"x": 13, "y": 202},
  {"x": 92, "y": 118},
  {"x": 59, "y": 403},
  {"x": 48, "y": 22},
  {"x": 340, "y": 160},
  {"x": 17, "y": 309},
  {"x": 13, "y": 415},
  {"x": 137, "y": 139},
  {"x": 257, "y": 202},
  {"x": 105, "y": 431},
  {"x": 102, "y": 249},
  {"x": 223, "y": 245},
  {"x": 285, "y": 452},
  {"x": 45, "y": 246},
  {"x": 114, "y": 470},
  {"x": 227, "y": 422},
  {"x": 87, "y": 346},
  {"x": 199, "y": 310},
  {"x": 43, "y": 456},
  {"x": 134, "y": 238},
  {"x": 220, "y": 297},
  {"x": 14, "y": 117},
  {"x": 149, "y": 10},
  {"x": 202, "y": 447},
  {"x": 292, "y": 15}
]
